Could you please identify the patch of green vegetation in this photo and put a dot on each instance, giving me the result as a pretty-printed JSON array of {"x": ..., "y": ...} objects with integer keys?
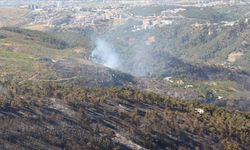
[
  {"x": 226, "y": 89},
  {"x": 206, "y": 13},
  {"x": 22, "y": 70},
  {"x": 46, "y": 38},
  {"x": 22, "y": 49},
  {"x": 149, "y": 10},
  {"x": 223, "y": 93},
  {"x": 23, "y": 43},
  {"x": 16, "y": 56},
  {"x": 234, "y": 12},
  {"x": 75, "y": 39}
]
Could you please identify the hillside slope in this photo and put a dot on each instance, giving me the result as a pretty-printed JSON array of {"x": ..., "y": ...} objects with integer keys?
[
  {"x": 67, "y": 61},
  {"x": 61, "y": 117}
]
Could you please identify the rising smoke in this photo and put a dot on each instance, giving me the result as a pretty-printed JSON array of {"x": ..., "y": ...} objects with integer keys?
[
  {"x": 137, "y": 61},
  {"x": 105, "y": 54}
]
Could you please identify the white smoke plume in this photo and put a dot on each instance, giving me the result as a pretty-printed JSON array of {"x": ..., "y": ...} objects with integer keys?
[
  {"x": 137, "y": 63},
  {"x": 105, "y": 54}
]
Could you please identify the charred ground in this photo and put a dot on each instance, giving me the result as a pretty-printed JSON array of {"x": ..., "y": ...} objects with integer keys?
[{"x": 53, "y": 95}]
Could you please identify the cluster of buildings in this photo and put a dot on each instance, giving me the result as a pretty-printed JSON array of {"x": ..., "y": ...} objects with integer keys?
[
  {"x": 74, "y": 15},
  {"x": 67, "y": 15},
  {"x": 93, "y": 15},
  {"x": 165, "y": 18}
]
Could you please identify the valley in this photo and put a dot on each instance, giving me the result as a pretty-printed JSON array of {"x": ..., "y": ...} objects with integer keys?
[{"x": 124, "y": 75}]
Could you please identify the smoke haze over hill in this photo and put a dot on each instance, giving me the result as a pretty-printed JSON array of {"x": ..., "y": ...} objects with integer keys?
[{"x": 105, "y": 54}]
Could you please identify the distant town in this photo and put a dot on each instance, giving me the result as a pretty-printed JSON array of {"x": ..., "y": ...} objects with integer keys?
[{"x": 79, "y": 14}]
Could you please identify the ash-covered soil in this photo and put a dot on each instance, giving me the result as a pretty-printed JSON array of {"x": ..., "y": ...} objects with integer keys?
[
  {"x": 85, "y": 73},
  {"x": 55, "y": 116}
]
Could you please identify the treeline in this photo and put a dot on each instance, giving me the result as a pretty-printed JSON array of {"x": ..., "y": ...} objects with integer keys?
[
  {"x": 150, "y": 120},
  {"x": 46, "y": 38}
]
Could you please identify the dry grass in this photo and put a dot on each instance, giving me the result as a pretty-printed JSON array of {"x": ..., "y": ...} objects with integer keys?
[
  {"x": 232, "y": 57},
  {"x": 38, "y": 27},
  {"x": 11, "y": 16}
]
